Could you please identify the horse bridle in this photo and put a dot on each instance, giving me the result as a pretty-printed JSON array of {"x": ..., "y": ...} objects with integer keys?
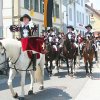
[
  {"x": 6, "y": 59},
  {"x": 14, "y": 63},
  {"x": 4, "y": 53}
]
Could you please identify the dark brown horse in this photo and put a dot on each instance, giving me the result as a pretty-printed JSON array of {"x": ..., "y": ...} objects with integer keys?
[
  {"x": 69, "y": 53},
  {"x": 88, "y": 53},
  {"x": 50, "y": 56}
]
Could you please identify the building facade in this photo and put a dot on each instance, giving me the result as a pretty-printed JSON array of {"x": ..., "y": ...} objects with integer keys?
[
  {"x": 1, "y": 22},
  {"x": 16, "y": 8},
  {"x": 94, "y": 19},
  {"x": 76, "y": 14}
]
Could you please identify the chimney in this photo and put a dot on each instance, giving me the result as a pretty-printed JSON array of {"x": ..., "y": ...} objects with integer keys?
[{"x": 92, "y": 5}]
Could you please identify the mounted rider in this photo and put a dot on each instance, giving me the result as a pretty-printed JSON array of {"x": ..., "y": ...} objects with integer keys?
[
  {"x": 52, "y": 38},
  {"x": 88, "y": 34},
  {"x": 72, "y": 37},
  {"x": 26, "y": 30}
]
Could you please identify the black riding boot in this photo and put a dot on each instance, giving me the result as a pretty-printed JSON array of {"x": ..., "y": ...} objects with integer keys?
[{"x": 34, "y": 61}]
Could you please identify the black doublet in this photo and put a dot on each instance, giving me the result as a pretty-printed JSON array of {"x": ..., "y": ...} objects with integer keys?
[{"x": 27, "y": 28}]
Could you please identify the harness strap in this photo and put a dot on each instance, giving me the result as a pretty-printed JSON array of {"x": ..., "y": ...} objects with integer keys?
[{"x": 17, "y": 58}]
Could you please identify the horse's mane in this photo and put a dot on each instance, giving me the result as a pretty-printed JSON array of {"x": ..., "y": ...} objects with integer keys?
[{"x": 10, "y": 42}]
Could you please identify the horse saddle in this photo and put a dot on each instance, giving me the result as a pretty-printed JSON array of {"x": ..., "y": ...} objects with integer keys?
[{"x": 29, "y": 53}]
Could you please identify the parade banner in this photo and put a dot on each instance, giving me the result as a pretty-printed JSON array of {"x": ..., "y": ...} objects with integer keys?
[{"x": 48, "y": 9}]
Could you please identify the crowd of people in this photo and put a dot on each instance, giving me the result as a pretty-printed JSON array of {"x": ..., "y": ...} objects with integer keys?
[{"x": 78, "y": 40}]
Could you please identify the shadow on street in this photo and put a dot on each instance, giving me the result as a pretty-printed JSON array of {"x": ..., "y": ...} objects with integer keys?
[{"x": 50, "y": 94}]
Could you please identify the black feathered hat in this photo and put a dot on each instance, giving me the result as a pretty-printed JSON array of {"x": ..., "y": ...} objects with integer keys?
[
  {"x": 88, "y": 26},
  {"x": 71, "y": 27},
  {"x": 25, "y": 16}
]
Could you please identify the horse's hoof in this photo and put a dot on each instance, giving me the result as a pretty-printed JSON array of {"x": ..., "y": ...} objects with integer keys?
[
  {"x": 58, "y": 71},
  {"x": 41, "y": 88},
  {"x": 21, "y": 98},
  {"x": 68, "y": 74},
  {"x": 34, "y": 68},
  {"x": 30, "y": 92},
  {"x": 16, "y": 96}
]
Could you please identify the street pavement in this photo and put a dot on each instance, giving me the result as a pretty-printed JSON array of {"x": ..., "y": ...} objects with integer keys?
[{"x": 59, "y": 86}]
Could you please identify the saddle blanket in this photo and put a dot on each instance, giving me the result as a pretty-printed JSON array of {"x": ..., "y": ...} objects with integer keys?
[{"x": 33, "y": 43}]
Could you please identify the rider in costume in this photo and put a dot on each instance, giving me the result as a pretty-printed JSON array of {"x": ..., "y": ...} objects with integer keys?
[
  {"x": 88, "y": 34},
  {"x": 26, "y": 30},
  {"x": 72, "y": 37}
]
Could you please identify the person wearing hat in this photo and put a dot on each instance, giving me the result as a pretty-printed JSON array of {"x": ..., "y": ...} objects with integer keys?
[
  {"x": 25, "y": 31},
  {"x": 88, "y": 34},
  {"x": 71, "y": 36}
]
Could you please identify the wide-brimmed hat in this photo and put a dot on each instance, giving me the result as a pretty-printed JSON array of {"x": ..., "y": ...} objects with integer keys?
[
  {"x": 70, "y": 27},
  {"x": 25, "y": 16},
  {"x": 88, "y": 26}
]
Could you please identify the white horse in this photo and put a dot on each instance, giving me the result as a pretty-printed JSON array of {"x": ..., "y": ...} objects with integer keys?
[{"x": 19, "y": 61}]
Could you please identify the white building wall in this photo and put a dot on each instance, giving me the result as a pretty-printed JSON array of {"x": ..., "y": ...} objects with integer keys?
[
  {"x": 1, "y": 22},
  {"x": 7, "y": 18}
]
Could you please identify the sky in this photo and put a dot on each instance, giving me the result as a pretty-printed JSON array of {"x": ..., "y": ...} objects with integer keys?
[{"x": 96, "y": 4}]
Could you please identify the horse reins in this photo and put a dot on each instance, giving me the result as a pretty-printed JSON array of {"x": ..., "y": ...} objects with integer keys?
[{"x": 6, "y": 60}]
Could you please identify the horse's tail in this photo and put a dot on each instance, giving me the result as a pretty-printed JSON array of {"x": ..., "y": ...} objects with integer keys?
[{"x": 38, "y": 74}]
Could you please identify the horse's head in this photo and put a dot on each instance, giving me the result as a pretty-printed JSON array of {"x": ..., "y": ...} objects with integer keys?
[
  {"x": 88, "y": 46},
  {"x": 3, "y": 58},
  {"x": 2, "y": 49}
]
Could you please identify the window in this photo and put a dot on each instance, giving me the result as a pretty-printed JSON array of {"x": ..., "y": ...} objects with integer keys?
[
  {"x": 80, "y": 17},
  {"x": 82, "y": 2},
  {"x": 41, "y": 6},
  {"x": 91, "y": 15},
  {"x": 31, "y": 4},
  {"x": 78, "y": 1},
  {"x": 77, "y": 16},
  {"x": 53, "y": 11},
  {"x": 70, "y": 14},
  {"x": 26, "y": 4},
  {"x": 86, "y": 19},
  {"x": 57, "y": 10},
  {"x": 36, "y": 5}
]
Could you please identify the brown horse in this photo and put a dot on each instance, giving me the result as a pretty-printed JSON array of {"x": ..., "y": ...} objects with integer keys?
[
  {"x": 51, "y": 56},
  {"x": 88, "y": 53},
  {"x": 69, "y": 53}
]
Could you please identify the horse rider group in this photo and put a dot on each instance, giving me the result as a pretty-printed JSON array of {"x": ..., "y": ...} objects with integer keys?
[
  {"x": 53, "y": 39},
  {"x": 56, "y": 40}
]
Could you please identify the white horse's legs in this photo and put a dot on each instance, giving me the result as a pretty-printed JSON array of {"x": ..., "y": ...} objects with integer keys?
[
  {"x": 12, "y": 74},
  {"x": 32, "y": 82},
  {"x": 42, "y": 62},
  {"x": 32, "y": 79},
  {"x": 23, "y": 74}
]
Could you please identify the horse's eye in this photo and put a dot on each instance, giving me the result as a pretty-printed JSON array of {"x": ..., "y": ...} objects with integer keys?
[{"x": 2, "y": 54}]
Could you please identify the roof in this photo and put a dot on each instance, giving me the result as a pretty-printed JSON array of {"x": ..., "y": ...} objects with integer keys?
[{"x": 92, "y": 9}]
